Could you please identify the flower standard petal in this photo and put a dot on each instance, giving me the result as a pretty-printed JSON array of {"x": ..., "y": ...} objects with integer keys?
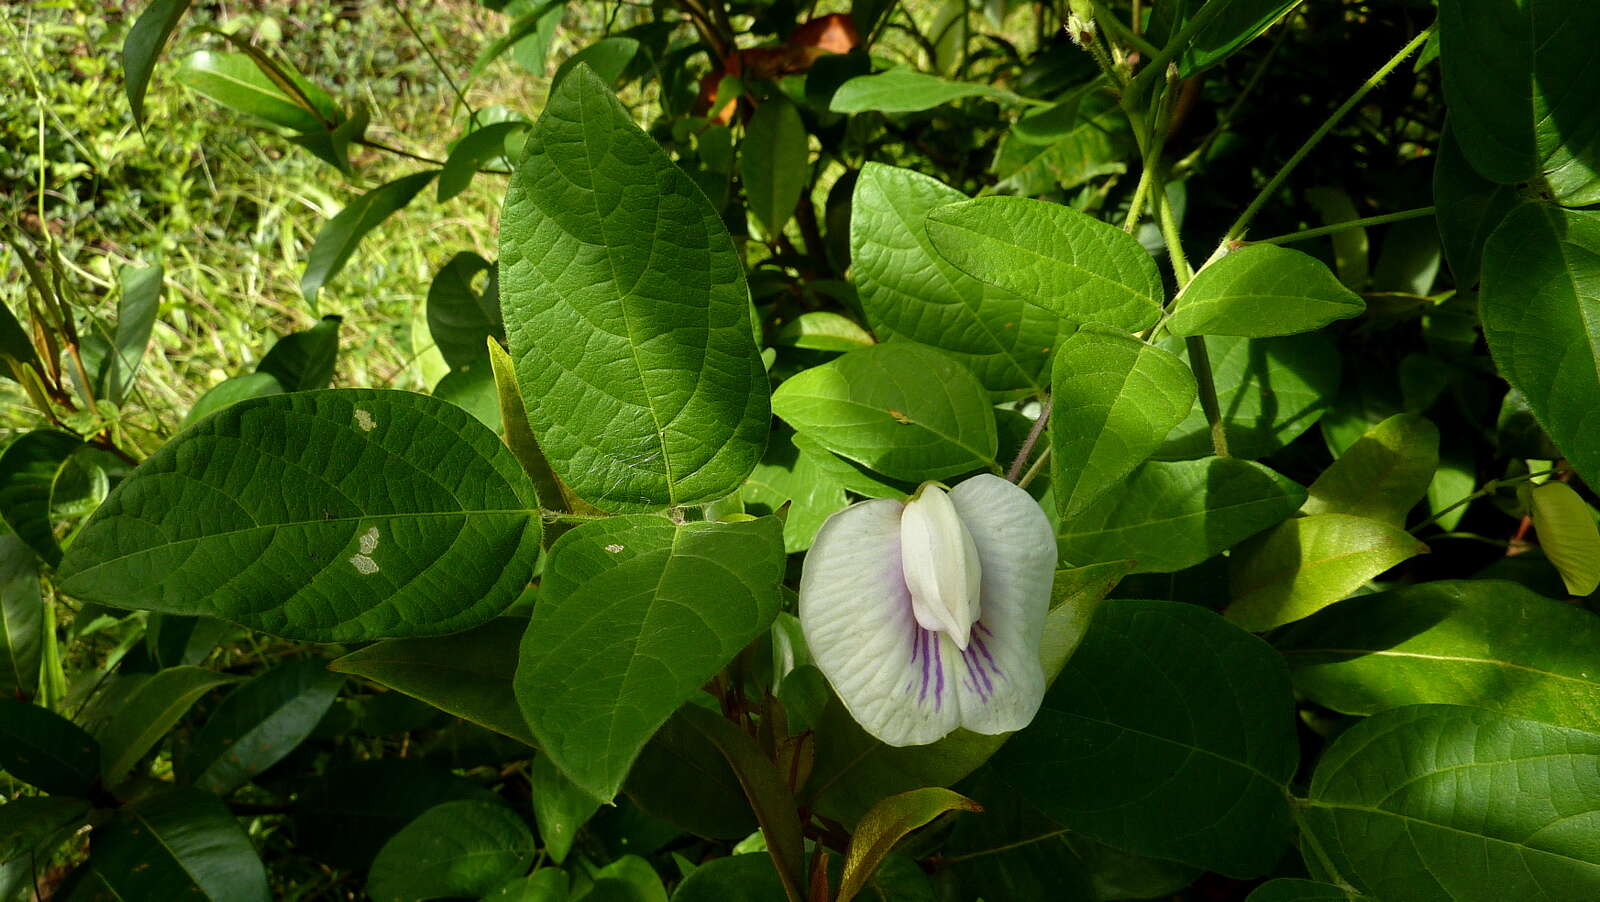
[
  {"x": 941, "y": 564},
  {"x": 896, "y": 678},
  {"x": 999, "y": 679}
]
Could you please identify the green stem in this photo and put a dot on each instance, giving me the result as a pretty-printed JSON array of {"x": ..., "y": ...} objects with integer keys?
[
  {"x": 1307, "y": 234},
  {"x": 1033, "y": 471},
  {"x": 399, "y": 7},
  {"x": 1488, "y": 488},
  {"x": 1123, "y": 33},
  {"x": 1236, "y": 231},
  {"x": 1158, "y": 63},
  {"x": 1200, "y": 363}
]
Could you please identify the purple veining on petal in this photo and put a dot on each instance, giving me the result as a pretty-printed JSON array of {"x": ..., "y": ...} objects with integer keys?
[
  {"x": 938, "y": 689},
  {"x": 976, "y": 670},
  {"x": 923, "y": 637},
  {"x": 983, "y": 649}
]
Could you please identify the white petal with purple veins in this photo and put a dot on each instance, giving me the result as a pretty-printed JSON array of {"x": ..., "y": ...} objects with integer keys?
[
  {"x": 1000, "y": 681},
  {"x": 904, "y": 683},
  {"x": 896, "y": 678}
]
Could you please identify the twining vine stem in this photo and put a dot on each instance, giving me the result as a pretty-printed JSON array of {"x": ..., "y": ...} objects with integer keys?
[{"x": 1307, "y": 234}]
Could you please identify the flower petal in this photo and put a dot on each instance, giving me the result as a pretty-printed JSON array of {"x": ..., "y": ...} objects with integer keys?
[
  {"x": 896, "y": 679},
  {"x": 999, "y": 680}
]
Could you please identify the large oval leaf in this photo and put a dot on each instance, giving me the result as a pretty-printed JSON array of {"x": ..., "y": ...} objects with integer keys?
[
  {"x": 628, "y": 314},
  {"x": 1269, "y": 391},
  {"x": 635, "y": 613},
  {"x": 1116, "y": 399},
  {"x": 21, "y": 619},
  {"x": 1540, "y": 307},
  {"x": 907, "y": 411},
  {"x": 1484, "y": 643},
  {"x": 1169, "y": 733},
  {"x": 258, "y": 724},
  {"x": 182, "y": 843},
  {"x": 461, "y": 848},
  {"x": 1519, "y": 80},
  {"x": 1469, "y": 207},
  {"x": 28, "y": 469},
  {"x": 1260, "y": 291},
  {"x": 1437, "y": 803},
  {"x": 1305, "y": 564},
  {"x": 1168, "y": 516},
  {"x": 41, "y": 747},
  {"x": 1055, "y": 257},
  {"x": 327, "y": 516},
  {"x": 773, "y": 163},
  {"x": 138, "y": 720},
  {"x": 1383, "y": 475},
  {"x": 908, "y": 289}
]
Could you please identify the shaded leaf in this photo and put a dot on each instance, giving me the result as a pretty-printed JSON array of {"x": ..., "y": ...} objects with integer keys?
[
  {"x": 1469, "y": 208},
  {"x": 181, "y": 843},
  {"x": 1484, "y": 643},
  {"x": 1169, "y": 733},
  {"x": 41, "y": 747},
  {"x": 21, "y": 619},
  {"x": 143, "y": 46},
  {"x": 559, "y": 807},
  {"x": 634, "y": 615},
  {"x": 1383, "y": 475},
  {"x": 773, "y": 163},
  {"x": 230, "y": 391},
  {"x": 144, "y": 716},
  {"x": 345, "y": 816},
  {"x": 299, "y": 361},
  {"x": 1269, "y": 391},
  {"x": 1305, "y": 564},
  {"x": 258, "y": 724},
  {"x": 339, "y": 236},
  {"x": 472, "y": 153},
  {"x": 462, "y": 319},
  {"x": 28, "y": 469},
  {"x": 460, "y": 848},
  {"x": 885, "y": 824}
]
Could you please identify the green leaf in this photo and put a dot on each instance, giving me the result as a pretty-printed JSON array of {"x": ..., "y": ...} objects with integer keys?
[
  {"x": 332, "y": 145},
  {"x": 300, "y": 361},
  {"x": 21, "y": 619},
  {"x": 462, "y": 848},
  {"x": 1383, "y": 475},
  {"x": 519, "y": 437},
  {"x": 1565, "y": 525},
  {"x": 1484, "y": 643},
  {"x": 546, "y": 884},
  {"x": 1305, "y": 564},
  {"x": 559, "y": 807},
  {"x": 1518, "y": 82},
  {"x": 136, "y": 317},
  {"x": 174, "y": 641},
  {"x": 787, "y": 475},
  {"x": 540, "y": 19},
  {"x": 461, "y": 318},
  {"x": 338, "y": 237},
  {"x": 1238, "y": 23},
  {"x": 141, "y": 719},
  {"x": 345, "y": 816},
  {"x": 1541, "y": 286},
  {"x": 1269, "y": 390},
  {"x": 467, "y": 674},
  {"x": 41, "y": 747},
  {"x": 1469, "y": 207},
  {"x": 472, "y": 389},
  {"x": 1115, "y": 399},
  {"x": 824, "y": 330},
  {"x": 1262, "y": 290},
  {"x": 853, "y": 770},
  {"x": 773, "y": 163},
  {"x": 737, "y": 878},
  {"x": 628, "y": 313},
  {"x": 1169, "y": 516},
  {"x": 28, "y": 468},
  {"x": 1286, "y": 889},
  {"x": 908, "y": 289},
  {"x": 886, "y": 824},
  {"x": 608, "y": 58},
  {"x": 143, "y": 46},
  {"x": 181, "y": 843},
  {"x": 329, "y": 516},
  {"x": 1053, "y": 256},
  {"x": 258, "y": 724},
  {"x": 683, "y": 779},
  {"x": 634, "y": 615},
  {"x": 230, "y": 391},
  {"x": 237, "y": 82},
  {"x": 472, "y": 153},
  {"x": 1432, "y": 803},
  {"x": 1097, "y": 144},
  {"x": 16, "y": 348},
  {"x": 905, "y": 410},
  {"x": 29, "y": 822},
  {"x": 1170, "y": 733},
  {"x": 905, "y": 90}
]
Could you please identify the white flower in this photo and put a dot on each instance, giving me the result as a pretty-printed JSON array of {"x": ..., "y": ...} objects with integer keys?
[{"x": 927, "y": 615}]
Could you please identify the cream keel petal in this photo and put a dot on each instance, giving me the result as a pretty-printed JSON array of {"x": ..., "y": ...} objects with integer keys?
[
  {"x": 941, "y": 565},
  {"x": 999, "y": 679},
  {"x": 896, "y": 679}
]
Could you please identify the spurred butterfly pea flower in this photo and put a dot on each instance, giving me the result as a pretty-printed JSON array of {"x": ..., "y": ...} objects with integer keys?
[{"x": 927, "y": 615}]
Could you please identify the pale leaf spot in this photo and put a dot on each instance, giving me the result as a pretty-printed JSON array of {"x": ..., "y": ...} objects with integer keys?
[
  {"x": 364, "y": 420},
  {"x": 364, "y": 565},
  {"x": 614, "y": 549},
  {"x": 363, "y": 561}
]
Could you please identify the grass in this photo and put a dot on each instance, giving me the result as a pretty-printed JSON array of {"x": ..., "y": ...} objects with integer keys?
[{"x": 230, "y": 210}]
